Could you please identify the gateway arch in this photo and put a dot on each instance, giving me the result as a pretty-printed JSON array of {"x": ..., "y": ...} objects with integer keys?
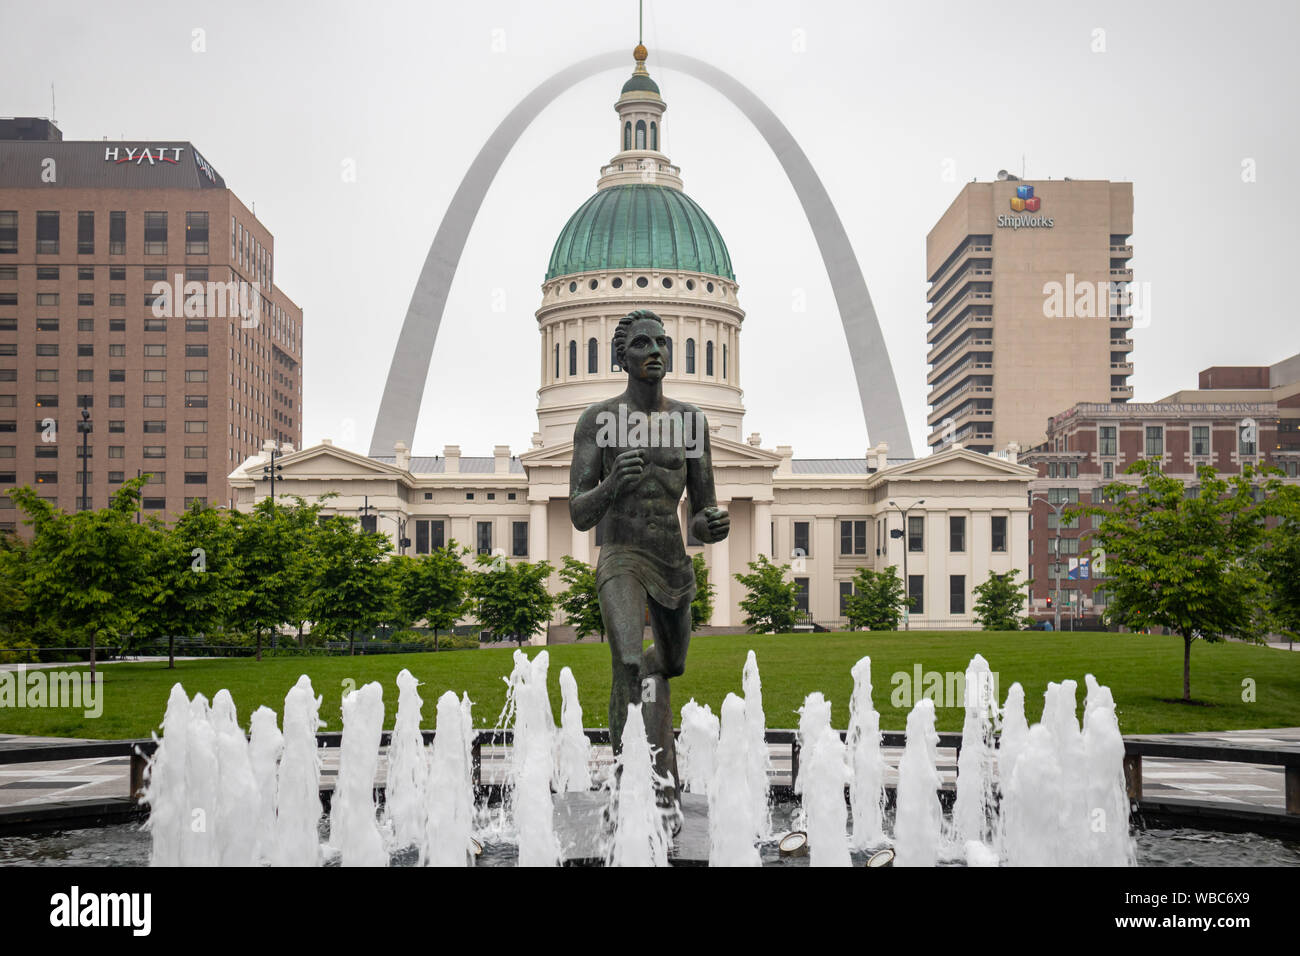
[{"x": 882, "y": 406}]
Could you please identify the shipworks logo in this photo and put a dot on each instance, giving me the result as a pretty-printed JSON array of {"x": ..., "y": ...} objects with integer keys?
[{"x": 1024, "y": 201}]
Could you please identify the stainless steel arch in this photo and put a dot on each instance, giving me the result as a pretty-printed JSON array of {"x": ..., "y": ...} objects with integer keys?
[{"x": 882, "y": 407}]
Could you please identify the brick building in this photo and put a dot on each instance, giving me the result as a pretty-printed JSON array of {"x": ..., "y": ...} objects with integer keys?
[
  {"x": 1091, "y": 444},
  {"x": 183, "y": 384}
]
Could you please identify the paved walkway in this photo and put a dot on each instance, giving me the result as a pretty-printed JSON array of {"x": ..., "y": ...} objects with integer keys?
[{"x": 1166, "y": 778}]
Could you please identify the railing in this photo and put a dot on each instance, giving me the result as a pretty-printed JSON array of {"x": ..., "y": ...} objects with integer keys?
[{"x": 1135, "y": 748}]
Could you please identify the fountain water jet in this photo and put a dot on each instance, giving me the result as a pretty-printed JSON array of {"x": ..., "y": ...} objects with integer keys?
[
  {"x": 760, "y": 758},
  {"x": 823, "y": 774},
  {"x": 528, "y": 789},
  {"x": 200, "y": 842},
  {"x": 573, "y": 749},
  {"x": 450, "y": 819},
  {"x": 731, "y": 808},
  {"x": 1108, "y": 841},
  {"x": 238, "y": 799},
  {"x": 408, "y": 767},
  {"x": 165, "y": 788},
  {"x": 867, "y": 785},
  {"x": 972, "y": 812},
  {"x": 918, "y": 818},
  {"x": 640, "y": 835},
  {"x": 297, "y": 796},
  {"x": 354, "y": 830},
  {"x": 264, "y": 747},
  {"x": 697, "y": 748}
]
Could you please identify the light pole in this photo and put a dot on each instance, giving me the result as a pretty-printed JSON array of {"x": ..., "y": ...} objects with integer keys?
[
  {"x": 271, "y": 469},
  {"x": 368, "y": 509},
  {"x": 907, "y": 587},
  {"x": 1056, "y": 565},
  {"x": 85, "y": 427}
]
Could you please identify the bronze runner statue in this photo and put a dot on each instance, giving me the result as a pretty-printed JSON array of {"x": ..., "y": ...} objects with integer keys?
[{"x": 633, "y": 455}]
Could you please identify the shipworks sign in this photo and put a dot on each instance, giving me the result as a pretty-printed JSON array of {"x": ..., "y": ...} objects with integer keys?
[{"x": 1024, "y": 206}]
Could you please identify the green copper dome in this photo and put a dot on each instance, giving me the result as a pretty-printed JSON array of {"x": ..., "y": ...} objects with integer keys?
[
  {"x": 640, "y": 226},
  {"x": 640, "y": 83}
]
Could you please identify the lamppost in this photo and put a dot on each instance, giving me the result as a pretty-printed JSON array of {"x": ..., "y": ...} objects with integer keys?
[
  {"x": 907, "y": 587},
  {"x": 271, "y": 469},
  {"x": 84, "y": 426},
  {"x": 1056, "y": 565},
  {"x": 368, "y": 509}
]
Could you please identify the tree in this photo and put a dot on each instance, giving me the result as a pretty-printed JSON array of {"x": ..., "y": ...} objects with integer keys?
[
  {"x": 1000, "y": 602},
  {"x": 580, "y": 601},
  {"x": 702, "y": 605},
  {"x": 434, "y": 588},
  {"x": 1181, "y": 558},
  {"x": 272, "y": 566},
  {"x": 189, "y": 567},
  {"x": 877, "y": 600},
  {"x": 770, "y": 606},
  {"x": 1278, "y": 561},
  {"x": 87, "y": 568},
  {"x": 351, "y": 589},
  {"x": 511, "y": 599}
]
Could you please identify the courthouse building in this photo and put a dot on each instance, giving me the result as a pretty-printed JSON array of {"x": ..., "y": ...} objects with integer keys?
[{"x": 641, "y": 242}]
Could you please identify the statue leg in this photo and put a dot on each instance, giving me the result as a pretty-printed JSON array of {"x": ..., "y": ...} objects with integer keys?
[
  {"x": 665, "y": 660},
  {"x": 622, "y": 606}
]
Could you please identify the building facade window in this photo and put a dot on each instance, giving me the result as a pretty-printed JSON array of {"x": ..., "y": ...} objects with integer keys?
[
  {"x": 519, "y": 539},
  {"x": 86, "y": 233},
  {"x": 117, "y": 233},
  {"x": 640, "y": 134},
  {"x": 690, "y": 356},
  {"x": 1200, "y": 441},
  {"x": 1246, "y": 443},
  {"x": 916, "y": 592},
  {"x": 708, "y": 359},
  {"x": 1107, "y": 444},
  {"x": 801, "y": 595},
  {"x": 155, "y": 233},
  {"x": 573, "y": 357},
  {"x": 196, "y": 233},
  {"x": 484, "y": 534},
  {"x": 1155, "y": 441},
  {"x": 956, "y": 534},
  {"x": 853, "y": 537},
  {"x": 8, "y": 232},
  {"x": 593, "y": 354},
  {"x": 801, "y": 539},
  {"x": 47, "y": 233},
  {"x": 915, "y": 533},
  {"x": 999, "y": 534},
  {"x": 957, "y": 594}
]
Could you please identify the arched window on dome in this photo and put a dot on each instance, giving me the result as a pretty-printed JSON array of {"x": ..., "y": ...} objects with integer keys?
[
  {"x": 724, "y": 360},
  {"x": 670, "y": 353},
  {"x": 640, "y": 134},
  {"x": 690, "y": 356},
  {"x": 573, "y": 357},
  {"x": 557, "y": 360},
  {"x": 627, "y": 135},
  {"x": 593, "y": 350},
  {"x": 654, "y": 135},
  {"x": 708, "y": 359}
]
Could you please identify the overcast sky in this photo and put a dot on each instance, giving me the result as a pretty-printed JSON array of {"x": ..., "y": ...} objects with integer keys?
[{"x": 883, "y": 98}]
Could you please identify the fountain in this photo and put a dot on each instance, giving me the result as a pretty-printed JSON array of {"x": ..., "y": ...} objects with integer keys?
[
  {"x": 408, "y": 768},
  {"x": 449, "y": 824},
  {"x": 867, "y": 784},
  {"x": 918, "y": 819},
  {"x": 760, "y": 760},
  {"x": 573, "y": 749},
  {"x": 697, "y": 747},
  {"x": 1061, "y": 786},
  {"x": 354, "y": 831},
  {"x": 823, "y": 775},
  {"x": 731, "y": 806},
  {"x": 640, "y": 832}
]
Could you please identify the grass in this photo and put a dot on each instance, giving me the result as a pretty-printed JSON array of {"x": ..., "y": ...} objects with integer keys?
[{"x": 1144, "y": 673}]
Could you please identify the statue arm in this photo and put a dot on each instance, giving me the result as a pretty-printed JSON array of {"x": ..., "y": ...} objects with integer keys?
[
  {"x": 589, "y": 496},
  {"x": 709, "y": 523}
]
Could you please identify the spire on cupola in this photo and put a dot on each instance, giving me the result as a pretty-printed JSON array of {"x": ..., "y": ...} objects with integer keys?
[{"x": 640, "y": 111}]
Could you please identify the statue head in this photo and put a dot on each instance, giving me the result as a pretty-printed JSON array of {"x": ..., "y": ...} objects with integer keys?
[{"x": 641, "y": 345}]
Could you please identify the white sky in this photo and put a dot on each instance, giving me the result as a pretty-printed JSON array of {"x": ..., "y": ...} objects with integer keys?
[{"x": 880, "y": 97}]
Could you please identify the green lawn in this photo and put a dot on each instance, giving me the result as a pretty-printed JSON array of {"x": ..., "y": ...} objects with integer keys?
[{"x": 1142, "y": 671}]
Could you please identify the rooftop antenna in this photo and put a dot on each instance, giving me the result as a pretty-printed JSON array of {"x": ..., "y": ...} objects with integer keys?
[{"x": 640, "y": 21}]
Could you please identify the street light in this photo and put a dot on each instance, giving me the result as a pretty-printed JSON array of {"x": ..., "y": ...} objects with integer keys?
[
  {"x": 272, "y": 469},
  {"x": 1056, "y": 565},
  {"x": 85, "y": 427},
  {"x": 367, "y": 509},
  {"x": 907, "y": 587}
]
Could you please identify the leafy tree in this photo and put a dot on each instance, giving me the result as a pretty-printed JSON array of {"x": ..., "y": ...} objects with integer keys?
[
  {"x": 189, "y": 568},
  {"x": 580, "y": 601},
  {"x": 1180, "y": 559},
  {"x": 1000, "y": 602},
  {"x": 351, "y": 588},
  {"x": 878, "y": 600},
  {"x": 272, "y": 566},
  {"x": 770, "y": 606},
  {"x": 511, "y": 599},
  {"x": 435, "y": 587},
  {"x": 1279, "y": 562},
  {"x": 87, "y": 568},
  {"x": 702, "y": 605}
]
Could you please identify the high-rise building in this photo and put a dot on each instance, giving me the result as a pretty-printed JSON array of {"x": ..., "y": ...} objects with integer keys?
[
  {"x": 1029, "y": 307},
  {"x": 136, "y": 286}
]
